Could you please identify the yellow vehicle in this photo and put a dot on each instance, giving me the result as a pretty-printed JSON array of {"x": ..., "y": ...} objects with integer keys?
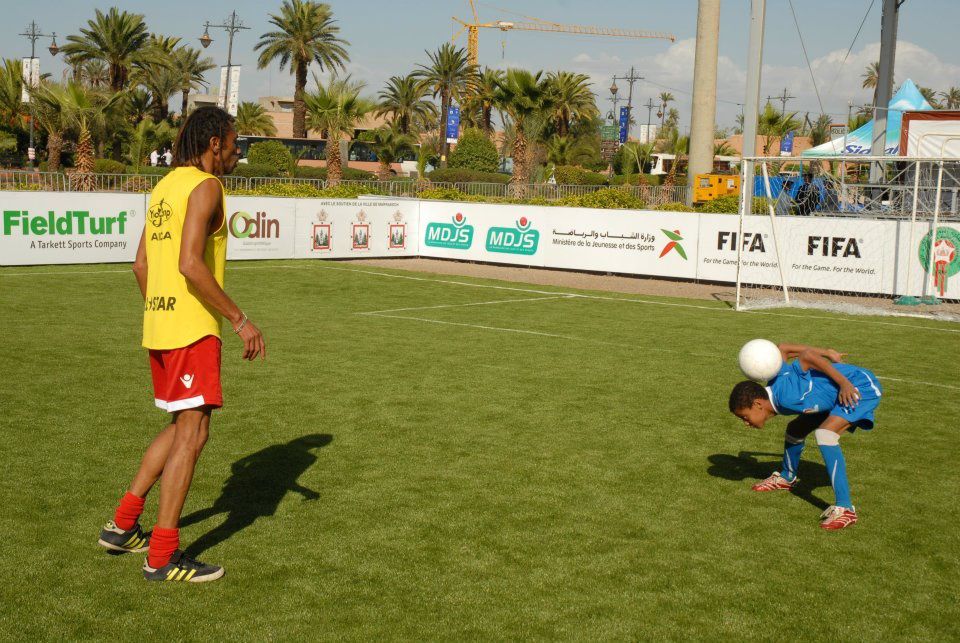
[{"x": 712, "y": 186}]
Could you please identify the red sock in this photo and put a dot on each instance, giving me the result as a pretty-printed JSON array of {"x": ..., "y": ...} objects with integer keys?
[
  {"x": 163, "y": 542},
  {"x": 128, "y": 513}
]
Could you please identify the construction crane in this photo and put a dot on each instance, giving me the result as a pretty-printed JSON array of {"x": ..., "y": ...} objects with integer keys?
[{"x": 536, "y": 24}]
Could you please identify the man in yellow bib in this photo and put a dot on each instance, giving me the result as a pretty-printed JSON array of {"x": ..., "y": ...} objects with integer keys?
[{"x": 179, "y": 268}]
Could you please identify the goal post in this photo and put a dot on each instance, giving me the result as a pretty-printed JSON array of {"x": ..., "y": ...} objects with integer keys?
[{"x": 817, "y": 233}]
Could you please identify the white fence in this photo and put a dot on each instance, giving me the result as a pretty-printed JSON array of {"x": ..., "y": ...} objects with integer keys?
[{"x": 71, "y": 227}]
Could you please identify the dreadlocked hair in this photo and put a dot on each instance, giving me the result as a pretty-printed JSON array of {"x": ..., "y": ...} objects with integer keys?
[{"x": 194, "y": 137}]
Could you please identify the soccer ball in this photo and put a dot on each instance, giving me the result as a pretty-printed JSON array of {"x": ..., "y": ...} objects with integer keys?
[{"x": 760, "y": 360}]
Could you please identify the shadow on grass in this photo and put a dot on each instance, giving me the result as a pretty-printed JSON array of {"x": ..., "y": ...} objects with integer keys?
[
  {"x": 745, "y": 466},
  {"x": 256, "y": 486}
]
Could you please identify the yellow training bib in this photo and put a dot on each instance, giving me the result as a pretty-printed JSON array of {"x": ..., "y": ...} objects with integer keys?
[{"x": 173, "y": 315}]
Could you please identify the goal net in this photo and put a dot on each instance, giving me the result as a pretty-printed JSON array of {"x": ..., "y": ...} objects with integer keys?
[{"x": 865, "y": 235}]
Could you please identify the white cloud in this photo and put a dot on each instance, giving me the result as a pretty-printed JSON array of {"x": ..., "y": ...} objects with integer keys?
[{"x": 838, "y": 81}]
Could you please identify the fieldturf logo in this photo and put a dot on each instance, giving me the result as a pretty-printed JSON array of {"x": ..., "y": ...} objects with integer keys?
[
  {"x": 521, "y": 240},
  {"x": 674, "y": 243},
  {"x": 69, "y": 223},
  {"x": 946, "y": 260},
  {"x": 244, "y": 226},
  {"x": 453, "y": 236}
]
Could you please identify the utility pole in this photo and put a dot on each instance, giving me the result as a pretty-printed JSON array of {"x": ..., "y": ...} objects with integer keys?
[
  {"x": 649, "y": 107},
  {"x": 232, "y": 25},
  {"x": 631, "y": 78},
  {"x": 33, "y": 32},
  {"x": 783, "y": 98},
  {"x": 704, "y": 111},
  {"x": 888, "y": 53}
]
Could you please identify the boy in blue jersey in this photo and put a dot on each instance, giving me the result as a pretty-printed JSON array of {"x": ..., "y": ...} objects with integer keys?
[{"x": 829, "y": 398}]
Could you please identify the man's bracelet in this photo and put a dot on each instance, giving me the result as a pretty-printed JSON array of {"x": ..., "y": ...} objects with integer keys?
[{"x": 243, "y": 322}]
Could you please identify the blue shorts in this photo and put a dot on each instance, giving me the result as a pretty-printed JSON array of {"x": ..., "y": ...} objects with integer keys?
[{"x": 861, "y": 417}]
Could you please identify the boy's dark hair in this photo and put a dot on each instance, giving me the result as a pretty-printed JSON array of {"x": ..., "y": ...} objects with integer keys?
[
  {"x": 743, "y": 395},
  {"x": 194, "y": 138}
]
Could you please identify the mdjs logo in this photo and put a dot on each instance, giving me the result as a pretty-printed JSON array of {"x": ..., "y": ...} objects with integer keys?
[
  {"x": 454, "y": 236},
  {"x": 522, "y": 240}
]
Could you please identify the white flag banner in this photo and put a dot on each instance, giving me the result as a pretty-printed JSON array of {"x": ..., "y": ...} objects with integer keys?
[
  {"x": 233, "y": 100},
  {"x": 222, "y": 94},
  {"x": 31, "y": 77}
]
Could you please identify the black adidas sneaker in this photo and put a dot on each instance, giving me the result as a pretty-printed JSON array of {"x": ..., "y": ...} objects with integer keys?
[
  {"x": 118, "y": 540},
  {"x": 182, "y": 568}
]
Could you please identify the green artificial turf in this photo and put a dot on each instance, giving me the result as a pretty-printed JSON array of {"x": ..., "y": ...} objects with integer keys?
[{"x": 395, "y": 478}]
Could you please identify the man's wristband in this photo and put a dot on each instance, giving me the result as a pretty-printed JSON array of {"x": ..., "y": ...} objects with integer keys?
[{"x": 243, "y": 322}]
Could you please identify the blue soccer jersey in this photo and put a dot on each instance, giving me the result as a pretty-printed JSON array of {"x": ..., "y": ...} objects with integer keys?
[{"x": 794, "y": 391}]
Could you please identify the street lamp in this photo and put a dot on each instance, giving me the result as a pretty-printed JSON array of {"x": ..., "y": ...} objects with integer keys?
[
  {"x": 231, "y": 25},
  {"x": 33, "y": 32},
  {"x": 613, "y": 88}
]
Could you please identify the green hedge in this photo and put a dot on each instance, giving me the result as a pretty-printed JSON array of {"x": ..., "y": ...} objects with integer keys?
[
  {"x": 349, "y": 173},
  {"x": 637, "y": 179},
  {"x": 606, "y": 198},
  {"x": 303, "y": 190},
  {"x": 149, "y": 169},
  {"x": 476, "y": 152},
  {"x": 273, "y": 154},
  {"x": 676, "y": 206},
  {"x": 254, "y": 170},
  {"x": 464, "y": 175},
  {"x": 731, "y": 205},
  {"x": 108, "y": 166},
  {"x": 573, "y": 175}
]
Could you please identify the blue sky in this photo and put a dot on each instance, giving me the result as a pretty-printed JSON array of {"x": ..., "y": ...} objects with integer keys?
[{"x": 389, "y": 38}]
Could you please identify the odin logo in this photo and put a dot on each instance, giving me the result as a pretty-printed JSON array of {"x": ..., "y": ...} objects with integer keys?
[
  {"x": 752, "y": 242},
  {"x": 244, "y": 226},
  {"x": 833, "y": 247}
]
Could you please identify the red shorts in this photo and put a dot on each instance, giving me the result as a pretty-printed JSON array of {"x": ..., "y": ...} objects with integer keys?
[{"x": 188, "y": 377}]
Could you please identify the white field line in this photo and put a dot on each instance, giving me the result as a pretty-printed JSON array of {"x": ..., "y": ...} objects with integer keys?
[
  {"x": 493, "y": 328},
  {"x": 524, "y": 331},
  {"x": 538, "y": 292},
  {"x": 476, "y": 303}
]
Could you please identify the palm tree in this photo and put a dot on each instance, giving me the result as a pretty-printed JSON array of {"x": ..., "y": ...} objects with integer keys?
[
  {"x": 188, "y": 68},
  {"x": 252, "y": 120},
  {"x": 572, "y": 99},
  {"x": 931, "y": 96},
  {"x": 482, "y": 100},
  {"x": 389, "y": 144},
  {"x": 86, "y": 111},
  {"x": 306, "y": 32},
  {"x": 820, "y": 130},
  {"x": 567, "y": 150},
  {"x": 723, "y": 149},
  {"x": 50, "y": 104},
  {"x": 336, "y": 108},
  {"x": 773, "y": 125},
  {"x": 678, "y": 146},
  {"x": 638, "y": 155},
  {"x": 404, "y": 100},
  {"x": 665, "y": 99},
  {"x": 12, "y": 108},
  {"x": 449, "y": 76},
  {"x": 138, "y": 105},
  {"x": 871, "y": 74},
  {"x": 147, "y": 136},
  {"x": 94, "y": 73},
  {"x": 524, "y": 97},
  {"x": 117, "y": 38},
  {"x": 951, "y": 98}
]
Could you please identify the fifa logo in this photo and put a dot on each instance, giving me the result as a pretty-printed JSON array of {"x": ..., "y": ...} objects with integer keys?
[
  {"x": 833, "y": 247},
  {"x": 752, "y": 242}
]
